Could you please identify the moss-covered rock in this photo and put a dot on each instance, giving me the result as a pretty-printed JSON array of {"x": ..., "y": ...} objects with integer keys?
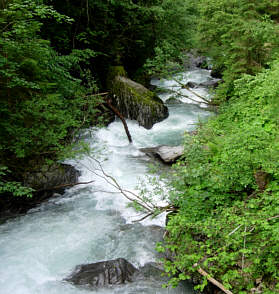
[
  {"x": 134, "y": 101},
  {"x": 113, "y": 72}
]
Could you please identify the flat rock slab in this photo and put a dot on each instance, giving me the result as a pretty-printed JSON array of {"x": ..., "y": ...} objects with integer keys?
[
  {"x": 168, "y": 154},
  {"x": 103, "y": 274}
]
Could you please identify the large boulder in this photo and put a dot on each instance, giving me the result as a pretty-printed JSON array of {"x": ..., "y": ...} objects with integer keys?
[
  {"x": 115, "y": 273},
  {"x": 134, "y": 101},
  {"x": 103, "y": 274},
  {"x": 168, "y": 154}
]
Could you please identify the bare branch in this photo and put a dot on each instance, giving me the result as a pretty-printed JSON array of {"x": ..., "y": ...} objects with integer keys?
[
  {"x": 149, "y": 208},
  {"x": 112, "y": 182},
  {"x": 115, "y": 110},
  {"x": 273, "y": 217},
  {"x": 206, "y": 101},
  {"x": 244, "y": 246},
  {"x": 143, "y": 218},
  {"x": 212, "y": 280},
  {"x": 235, "y": 230}
]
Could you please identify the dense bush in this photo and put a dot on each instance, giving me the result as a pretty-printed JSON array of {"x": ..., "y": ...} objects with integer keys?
[{"x": 227, "y": 191}]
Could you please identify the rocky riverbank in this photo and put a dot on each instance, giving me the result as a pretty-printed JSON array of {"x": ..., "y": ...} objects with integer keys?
[{"x": 45, "y": 181}]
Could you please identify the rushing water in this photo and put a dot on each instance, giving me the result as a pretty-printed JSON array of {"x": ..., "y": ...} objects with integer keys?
[{"x": 91, "y": 223}]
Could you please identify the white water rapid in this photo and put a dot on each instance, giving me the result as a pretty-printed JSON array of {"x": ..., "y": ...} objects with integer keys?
[{"x": 87, "y": 224}]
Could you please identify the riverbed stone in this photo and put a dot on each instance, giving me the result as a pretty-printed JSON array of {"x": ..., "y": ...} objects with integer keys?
[
  {"x": 103, "y": 274},
  {"x": 194, "y": 60},
  {"x": 48, "y": 176},
  {"x": 134, "y": 101},
  {"x": 168, "y": 154},
  {"x": 210, "y": 83},
  {"x": 173, "y": 100}
]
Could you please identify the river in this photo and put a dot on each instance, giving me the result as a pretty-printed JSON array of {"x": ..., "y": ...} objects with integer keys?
[{"x": 92, "y": 223}]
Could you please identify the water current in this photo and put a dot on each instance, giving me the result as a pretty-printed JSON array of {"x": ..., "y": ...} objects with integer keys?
[{"x": 92, "y": 223}]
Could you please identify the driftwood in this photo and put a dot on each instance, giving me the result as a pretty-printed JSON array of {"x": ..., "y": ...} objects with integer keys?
[
  {"x": 205, "y": 101},
  {"x": 212, "y": 280},
  {"x": 115, "y": 110}
]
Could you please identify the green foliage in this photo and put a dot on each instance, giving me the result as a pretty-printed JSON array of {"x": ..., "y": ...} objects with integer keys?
[
  {"x": 174, "y": 35},
  {"x": 44, "y": 96},
  {"x": 227, "y": 189},
  {"x": 240, "y": 35},
  {"x": 125, "y": 32},
  {"x": 13, "y": 187}
]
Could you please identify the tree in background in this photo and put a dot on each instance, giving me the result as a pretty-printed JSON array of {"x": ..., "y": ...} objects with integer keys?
[
  {"x": 123, "y": 32},
  {"x": 43, "y": 95},
  {"x": 240, "y": 36}
]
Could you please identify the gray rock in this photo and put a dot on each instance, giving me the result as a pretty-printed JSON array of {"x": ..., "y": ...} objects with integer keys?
[
  {"x": 192, "y": 84},
  {"x": 103, "y": 274},
  {"x": 168, "y": 154},
  {"x": 210, "y": 83},
  {"x": 134, "y": 101},
  {"x": 42, "y": 179},
  {"x": 151, "y": 271},
  {"x": 46, "y": 177},
  {"x": 194, "y": 60},
  {"x": 173, "y": 100}
]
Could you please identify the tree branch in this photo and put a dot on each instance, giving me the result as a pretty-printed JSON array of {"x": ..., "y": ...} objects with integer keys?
[
  {"x": 148, "y": 207},
  {"x": 115, "y": 110},
  {"x": 212, "y": 280},
  {"x": 183, "y": 86}
]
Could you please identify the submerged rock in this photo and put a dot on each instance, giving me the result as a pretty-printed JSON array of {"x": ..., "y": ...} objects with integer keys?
[
  {"x": 210, "y": 83},
  {"x": 134, "y": 101},
  {"x": 103, "y": 274},
  {"x": 151, "y": 271},
  {"x": 173, "y": 100},
  {"x": 168, "y": 154}
]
